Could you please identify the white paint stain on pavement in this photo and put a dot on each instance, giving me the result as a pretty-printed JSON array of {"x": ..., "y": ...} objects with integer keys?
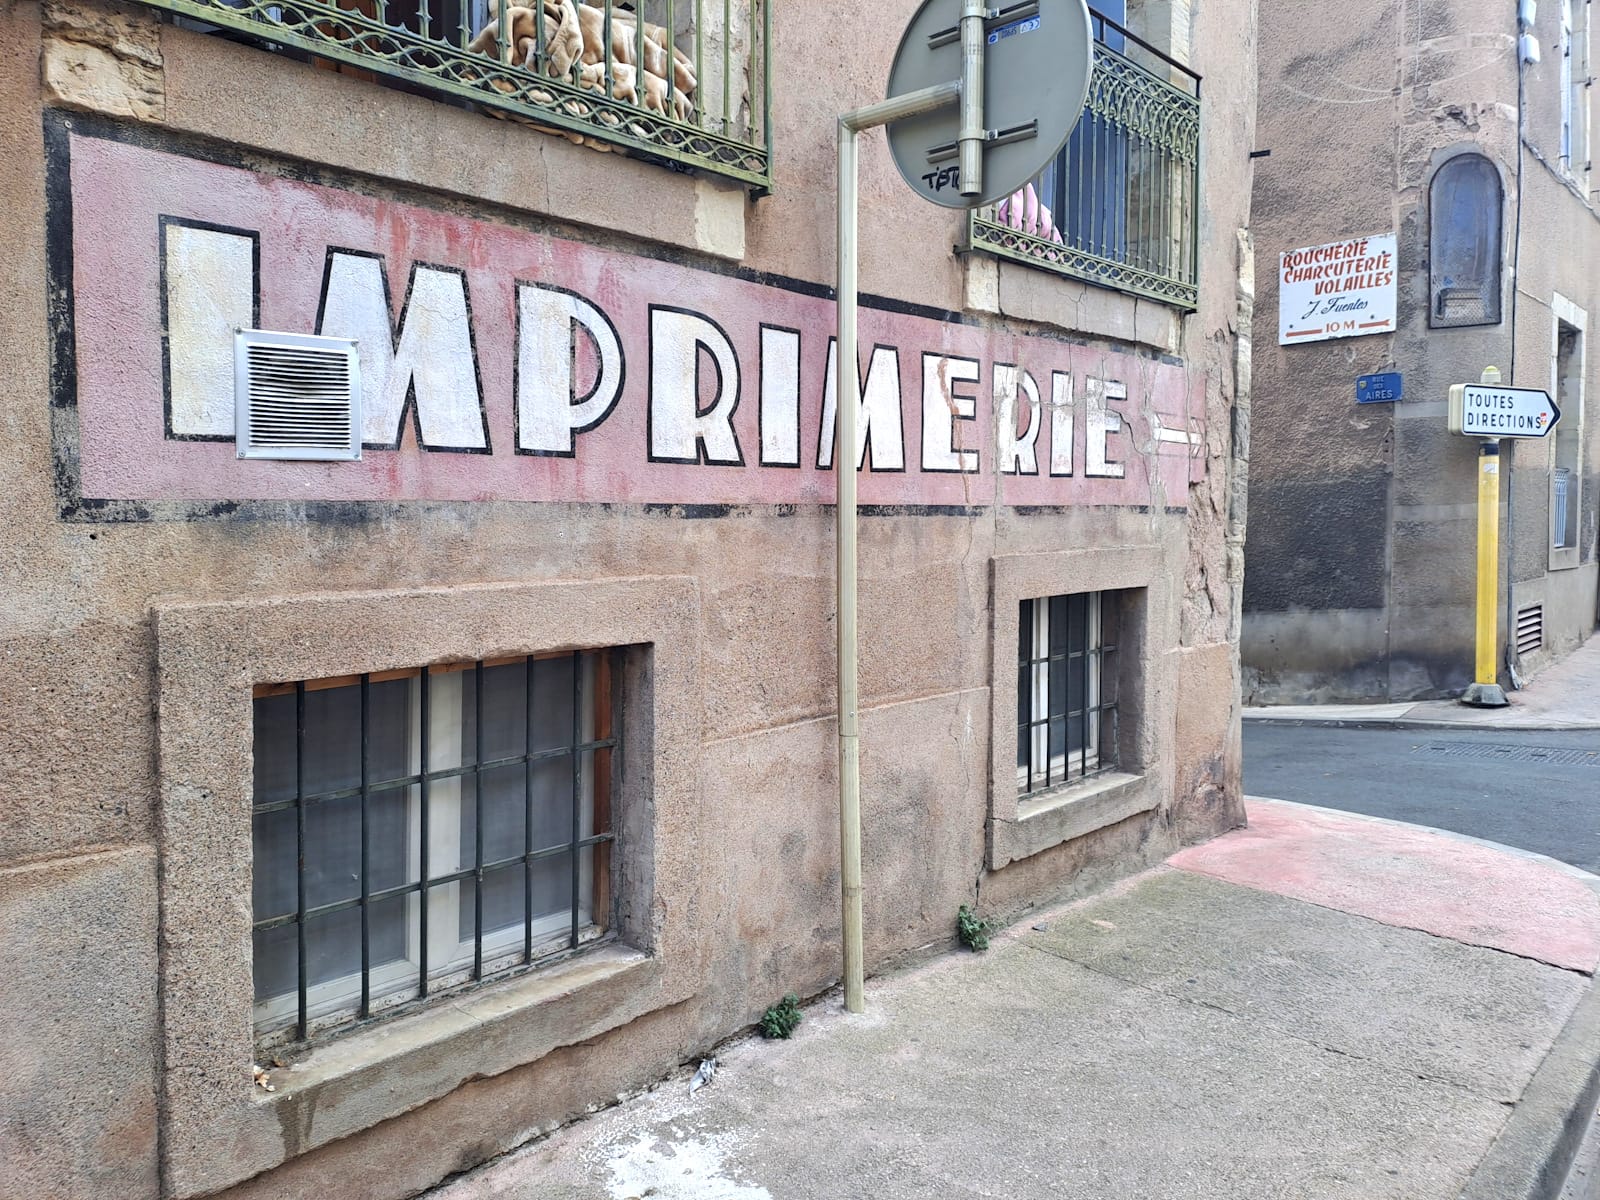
[{"x": 687, "y": 1169}]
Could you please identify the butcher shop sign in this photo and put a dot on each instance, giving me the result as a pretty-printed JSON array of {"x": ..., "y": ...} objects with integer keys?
[
  {"x": 502, "y": 363},
  {"x": 1344, "y": 289}
]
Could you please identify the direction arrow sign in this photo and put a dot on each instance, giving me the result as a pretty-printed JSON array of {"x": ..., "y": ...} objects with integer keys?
[{"x": 1501, "y": 412}]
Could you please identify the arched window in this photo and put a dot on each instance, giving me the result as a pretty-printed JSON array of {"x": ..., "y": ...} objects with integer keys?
[{"x": 1464, "y": 243}]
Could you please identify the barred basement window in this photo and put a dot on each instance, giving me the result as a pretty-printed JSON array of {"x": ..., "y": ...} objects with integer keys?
[
  {"x": 416, "y": 831},
  {"x": 1066, "y": 689}
]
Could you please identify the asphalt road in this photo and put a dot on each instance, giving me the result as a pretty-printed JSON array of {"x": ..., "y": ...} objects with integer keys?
[{"x": 1536, "y": 790}]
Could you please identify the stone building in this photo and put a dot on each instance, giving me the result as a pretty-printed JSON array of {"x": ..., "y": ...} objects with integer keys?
[
  {"x": 419, "y": 553},
  {"x": 1463, "y": 131}
]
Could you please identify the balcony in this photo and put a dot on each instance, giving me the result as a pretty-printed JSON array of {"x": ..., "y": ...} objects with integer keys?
[
  {"x": 1119, "y": 206},
  {"x": 685, "y": 82}
]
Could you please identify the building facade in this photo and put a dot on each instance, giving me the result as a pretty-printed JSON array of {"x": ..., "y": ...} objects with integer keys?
[
  {"x": 420, "y": 559},
  {"x": 1462, "y": 131}
]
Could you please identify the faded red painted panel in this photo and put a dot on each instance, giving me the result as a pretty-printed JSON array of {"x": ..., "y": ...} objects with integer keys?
[{"x": 159, "y": 233}]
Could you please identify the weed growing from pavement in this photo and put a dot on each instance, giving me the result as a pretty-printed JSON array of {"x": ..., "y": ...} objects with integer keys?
[
  {"x": 779, "y": 1020},
  {"x": 972, "y": 930}
]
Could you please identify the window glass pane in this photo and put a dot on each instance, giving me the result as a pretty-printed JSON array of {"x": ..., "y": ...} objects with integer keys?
[
  {"x": 1060, "y": 624},
  {"x": 273, "y": 885},
  {"x": 333, "y": 948},
  {"x": 333, "y": 851},
  {"x": 504, "y": 807},
  {"x": 1078, "y": 623},
  {"x": 502, "y": 901},
  {"x": 1024, "y": 652},
  {"x": 552, "y": 703},
  {"x": 552, "y": 893},
  {"x": 391, "y": 729},
  {"x": 505, "y": 703},
  {"x": 273, "y": 748},
  {"x": 332, "y": 748},
  {"x": 276, "y": 965},
  {"x": 552, "y": 801}
]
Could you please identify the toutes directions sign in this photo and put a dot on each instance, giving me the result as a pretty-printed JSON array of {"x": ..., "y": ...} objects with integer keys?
[{"x": 1485, "y": 411}]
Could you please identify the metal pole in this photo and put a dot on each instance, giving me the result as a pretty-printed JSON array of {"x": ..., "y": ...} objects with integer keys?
[
  {"x": 971, "y": 136},
  {"x": 1486, "y": 691},
  {"x": 847, "y": 385},
  {"x": 847, "y": 393}
]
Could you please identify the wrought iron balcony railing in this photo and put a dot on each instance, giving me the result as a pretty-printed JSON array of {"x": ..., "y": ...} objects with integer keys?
[
  {"x": 683, "y": 81},
  {"x": 1119, "y": 206}
]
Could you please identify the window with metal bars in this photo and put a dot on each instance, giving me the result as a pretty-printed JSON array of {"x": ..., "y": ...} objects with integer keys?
[
  {"x": 682, "y": 81},
  {"x": 1066, "y": 689},
  {"x": 417, "y": 831},
  {"x": 1119, "y": 205}
]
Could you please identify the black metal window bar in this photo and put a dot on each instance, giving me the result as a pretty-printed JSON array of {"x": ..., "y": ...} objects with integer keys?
[
  {"x": 1119, "y": 206},
  {"x": 417, "y": 831},
  {"x": 686, "y": 82},
  {"x": 1066, "y": 689}
]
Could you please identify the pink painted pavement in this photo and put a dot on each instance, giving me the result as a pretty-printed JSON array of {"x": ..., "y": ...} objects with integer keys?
[{"x": 1409, "y": 877}]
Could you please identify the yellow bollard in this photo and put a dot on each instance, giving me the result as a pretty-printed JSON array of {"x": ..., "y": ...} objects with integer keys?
[{"x": 1486, "y": 691}]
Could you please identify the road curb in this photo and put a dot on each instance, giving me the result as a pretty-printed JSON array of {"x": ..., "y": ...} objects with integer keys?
[
  {"x": 1533, "y": 1154},
  {"x": 1421, "y": 723}
]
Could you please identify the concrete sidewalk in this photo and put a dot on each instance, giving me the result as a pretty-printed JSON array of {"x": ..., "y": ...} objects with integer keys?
[
  {"x": 1565, "y": 695},
  {"x": 1320, "y": 1006}
]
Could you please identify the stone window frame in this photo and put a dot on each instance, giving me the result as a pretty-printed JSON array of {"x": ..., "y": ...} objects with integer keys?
[
  {"x": 1019, "y": 825},
  {"x": 218, "y": 1127}
]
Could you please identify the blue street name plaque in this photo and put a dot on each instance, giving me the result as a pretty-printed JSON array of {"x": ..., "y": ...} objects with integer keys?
[{"x": 1378, "y": 389}]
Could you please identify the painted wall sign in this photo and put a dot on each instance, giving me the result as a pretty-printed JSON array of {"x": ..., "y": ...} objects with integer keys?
[
  {"x": 1344, "y": 289},
  {"x": 499, "y": 363},
  {"x": 1384, "y": 388}
]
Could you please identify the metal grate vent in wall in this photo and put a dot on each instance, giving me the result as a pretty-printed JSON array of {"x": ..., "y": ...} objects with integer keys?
[
  {"x": 296, "y": 397},
  {"x": 1530, "y": 629}
]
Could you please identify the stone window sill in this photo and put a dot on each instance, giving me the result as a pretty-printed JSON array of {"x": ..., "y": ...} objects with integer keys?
[
  {"x": 1067, "y": 813},
  {"x": 396, "y": 1065}
]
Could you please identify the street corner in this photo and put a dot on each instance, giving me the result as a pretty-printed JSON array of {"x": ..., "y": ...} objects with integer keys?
[{"x": 1411, "y": 877}]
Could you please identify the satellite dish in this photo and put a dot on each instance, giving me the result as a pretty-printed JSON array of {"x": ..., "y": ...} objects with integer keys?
[{"x": 1036, "y": 82}]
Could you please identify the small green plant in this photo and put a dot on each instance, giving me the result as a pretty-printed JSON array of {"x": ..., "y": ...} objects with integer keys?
[
  {"x": 779, "y": 1020},
  {"x": 971, "y": 929}
]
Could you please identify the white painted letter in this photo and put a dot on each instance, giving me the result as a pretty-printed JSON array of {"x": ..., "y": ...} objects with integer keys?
[
  {"x": 1016, "y": 452},
  {"x": 1103, "y": 421},
  {"x": 432, "y": 363},
  {"x": 679, "y": 430},
  {"x": 780, "y": 397},
  {"x": 942, "y": 408},
  {"x": 209, "y": 281},
  {"x": 549, "y": 410},
  {"x": 879, "y": 424},
  {"x": 1061, "y": 448}
]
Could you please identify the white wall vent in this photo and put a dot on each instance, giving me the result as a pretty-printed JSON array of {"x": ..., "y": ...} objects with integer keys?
[
  {"x": 296, "y": 396},
  {"x": 1530, "y": 629}
]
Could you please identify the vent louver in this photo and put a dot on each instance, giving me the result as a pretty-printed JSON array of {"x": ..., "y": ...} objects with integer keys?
[
  {"x": 1530, "y": 629},
  {"x": 296, "y": 397}
]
